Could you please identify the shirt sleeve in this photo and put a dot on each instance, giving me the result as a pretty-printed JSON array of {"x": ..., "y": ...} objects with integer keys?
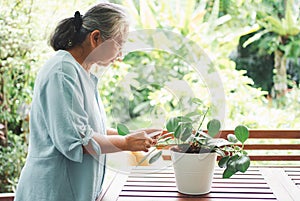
[{"x": 66, "y": 117}]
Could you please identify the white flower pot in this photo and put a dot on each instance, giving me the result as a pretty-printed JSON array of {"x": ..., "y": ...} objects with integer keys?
[{"x": 193, "y": 172}]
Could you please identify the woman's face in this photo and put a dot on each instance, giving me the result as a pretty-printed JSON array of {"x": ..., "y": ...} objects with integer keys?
[
  {"x": 105, "y": 52},
  {"x": 113, "y": 50}
]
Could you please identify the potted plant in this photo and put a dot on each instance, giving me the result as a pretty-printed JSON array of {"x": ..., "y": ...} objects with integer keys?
[{"x": 194, "y": 152}]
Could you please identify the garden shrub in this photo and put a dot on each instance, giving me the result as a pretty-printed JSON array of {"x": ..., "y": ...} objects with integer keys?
[{"x": 16, "y": 86}]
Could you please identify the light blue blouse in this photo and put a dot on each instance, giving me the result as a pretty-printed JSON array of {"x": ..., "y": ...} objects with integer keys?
[{"x": 66, "y": 112}]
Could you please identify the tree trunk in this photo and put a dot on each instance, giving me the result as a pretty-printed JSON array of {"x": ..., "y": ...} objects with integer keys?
[
  {"x": 3, "y": 134},
  {"x": 280, "y": 77}
]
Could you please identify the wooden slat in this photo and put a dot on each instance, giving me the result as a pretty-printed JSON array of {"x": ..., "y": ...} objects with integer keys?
[
  {"x": 268, "y": 134},
  {"x": 217, "y": 180},
  {"x": 261, "y": 157},
  {"x": 292, "y": 169},
  {"x": 162, "y": 185},
  {"x": 170, "y": 170},
  {"x": 214, "y": 185},
  {"x": 297, "y": 182},
  {"x": 114, "y": 188},
  {"x": 189, "y": 199},
  {"x": 275, "y": 157},
  {"x": 254, "y": 185},
  {"x": 7, "y": 196},
  {"x": 213, "y": 189},
  {"x": 210, "y": 195},
  {"x": 294, "y": 175},
  {"x": 217, "y": 175},
  {"x": 272, "y": 146},
  {"x": 280, "y": 183},
  {"x": 146, "y": 184},
  {"x": 159, "y": 185}
]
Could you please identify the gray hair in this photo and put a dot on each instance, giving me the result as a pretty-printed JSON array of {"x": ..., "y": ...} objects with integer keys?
[{"x": 110, "y": 19}]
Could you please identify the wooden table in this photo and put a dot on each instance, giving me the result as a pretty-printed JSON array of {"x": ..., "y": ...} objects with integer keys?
[{"x": 155, "y": 184}]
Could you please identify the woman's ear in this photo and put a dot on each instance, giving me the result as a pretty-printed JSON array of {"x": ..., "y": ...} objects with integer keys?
[{"x": 95, "y": 38}]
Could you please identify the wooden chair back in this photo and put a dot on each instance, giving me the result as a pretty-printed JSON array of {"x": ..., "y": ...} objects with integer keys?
[
  {"x": 268, "y": 142},
  {"x": 268, "y": 145}
]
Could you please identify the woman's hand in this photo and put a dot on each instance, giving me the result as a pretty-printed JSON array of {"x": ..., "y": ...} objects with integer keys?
[
  {"x": 138, "y": 141},
  {"x": 151, "y": 132}
]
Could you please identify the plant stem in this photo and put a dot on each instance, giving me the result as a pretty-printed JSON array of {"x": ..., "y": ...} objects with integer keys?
[
  {"x": 145, "y": 157},
  {"x": 202, "y": 120}
]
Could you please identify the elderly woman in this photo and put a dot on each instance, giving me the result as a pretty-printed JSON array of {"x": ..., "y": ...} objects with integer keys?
[{"x": 68, "y": 135}]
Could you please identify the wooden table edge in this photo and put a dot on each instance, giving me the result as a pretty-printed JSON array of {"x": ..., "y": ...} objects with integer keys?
[
  {"x": 282, "y": 186},
  {"x": 114, "y": 188}
]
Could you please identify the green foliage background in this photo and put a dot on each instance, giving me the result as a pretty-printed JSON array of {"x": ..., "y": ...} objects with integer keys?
[
  {"x": 133, "y": 91},
  {"x": 16, "y": 60}
]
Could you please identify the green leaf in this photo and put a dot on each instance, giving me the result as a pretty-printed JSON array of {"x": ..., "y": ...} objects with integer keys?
[
  {"x": 243, "y": 163},
  {"x": 122, "y": 129},
  {"x": 141, "y": 107},
  {"x": 197, "y": 101},
  {"x": 256, "y": 37},
  {"x": 203, "y": 134},
  {"x": 183, "y": 131},
  {"x": 273, "y": 23},
  {"x": 241, "y": 132},
  {"x": 223, "y": 162},
  {"x": 218, "y": 142},
  {"x": 145, "y": 157},
  {"x": 192, "y": 114},
  {"x": 166, "y": 139},
  {"x": 155, "y": 157},
  {"x": 228, "y": 172},
  {"x": 232, "y": 138},
  {"x": 213, "y": 127},
  {"x": 220, "y": 152},
  {"x": 186, "y": 134},
  {"x": 173, "y": 122},
  {"x": 231, "y": 167},
  {"x": 163, "y": 136}
]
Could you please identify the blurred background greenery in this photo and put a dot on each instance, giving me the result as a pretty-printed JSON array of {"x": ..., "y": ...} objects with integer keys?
[{"x": 254, "y": 46}]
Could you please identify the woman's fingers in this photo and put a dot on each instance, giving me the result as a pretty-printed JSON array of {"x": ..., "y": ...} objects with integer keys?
[
  {"x": 152, "y": 130},
  {"x": 155, "y": 133},
  {"x": 139, "y": 141},
  {"x": 147, "y": 142}
]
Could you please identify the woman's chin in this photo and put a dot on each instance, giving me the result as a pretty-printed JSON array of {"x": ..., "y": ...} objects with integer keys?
[{"x": 104, "y": 64}]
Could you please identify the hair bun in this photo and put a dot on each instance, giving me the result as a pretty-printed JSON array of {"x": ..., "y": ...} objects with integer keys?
[{"x": 77, "y": 21}]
